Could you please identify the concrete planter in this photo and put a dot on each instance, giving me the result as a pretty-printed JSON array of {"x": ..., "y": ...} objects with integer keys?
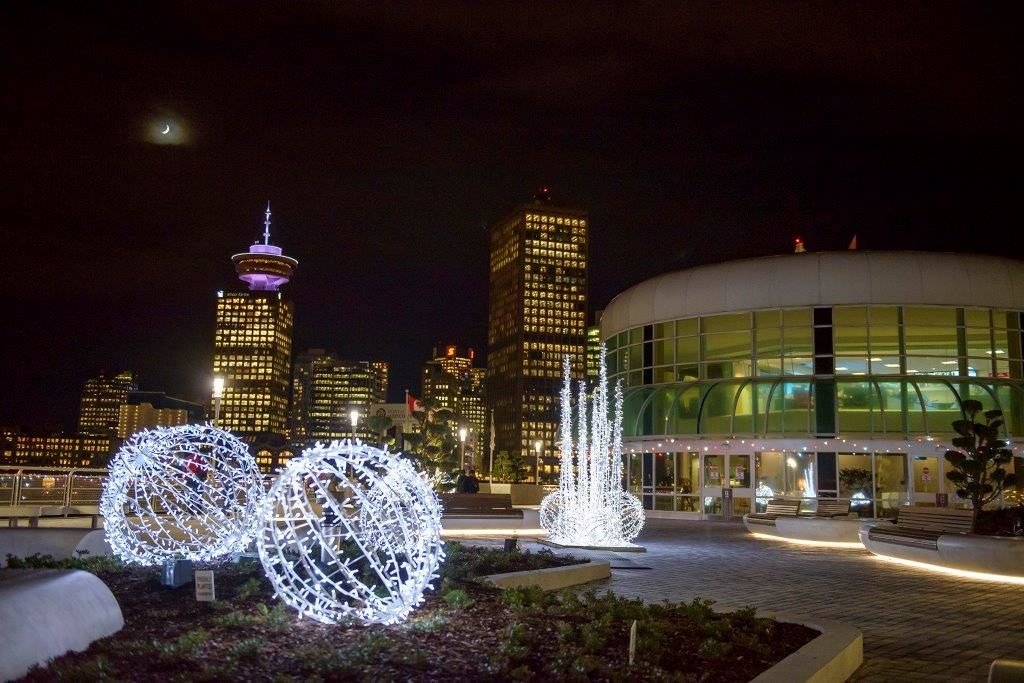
[
  {"x": 553, "y": 578},
  {"x": 522, "y": 494},
  {"x": 812, "y": 529},
  {"x": 59, "y": 542},
  {"x": 997, "y": 555},
  {"x": 831, "y": 657}
]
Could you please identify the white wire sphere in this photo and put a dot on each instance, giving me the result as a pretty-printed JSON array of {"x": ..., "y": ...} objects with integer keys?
[
  {"x": 191, "y": 492},
  {"x": 351, "y": 533},
  {"x": 618, "y": 524},
  {"x": 632, "y": 516},
  {"x": 551, "y": 518}
]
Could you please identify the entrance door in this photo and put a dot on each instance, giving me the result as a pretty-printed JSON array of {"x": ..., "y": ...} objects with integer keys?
[
  {"x": 927, "y": 478},
  {"x": 726, "y": 490}
]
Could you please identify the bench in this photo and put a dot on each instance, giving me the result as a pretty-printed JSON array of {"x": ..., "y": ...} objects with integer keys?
[
  {"x": 479, "y": 505},
  {"x": 920, "y": 527},
  {"x": 829, "y": 508},
  {"x": 777, "y": 507}
]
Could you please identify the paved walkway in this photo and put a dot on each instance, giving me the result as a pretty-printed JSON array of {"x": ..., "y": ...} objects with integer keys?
[{"x": 917, "y": 625}]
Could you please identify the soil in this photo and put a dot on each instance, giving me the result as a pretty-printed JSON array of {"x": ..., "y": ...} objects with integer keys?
[{"x": 463, "y": 631}]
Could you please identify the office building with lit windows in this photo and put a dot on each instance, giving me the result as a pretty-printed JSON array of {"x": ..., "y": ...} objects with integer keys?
[
  {"x": 325, "y": 391},
  {"x": 814, "y": 375},
  {"x": 452, "y": 382},
  {"x": 252, "y": 348},
  {"x": 101, "y": 403},
  {"x": 593, "y": 352},
  {"x": 151, "y": 409},
  {"x": 537, "y": 314}
]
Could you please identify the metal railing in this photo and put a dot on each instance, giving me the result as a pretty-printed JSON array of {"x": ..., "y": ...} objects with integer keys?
[{"x": 51, "y": 486}]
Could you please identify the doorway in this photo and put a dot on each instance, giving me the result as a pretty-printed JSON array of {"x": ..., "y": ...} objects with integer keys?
[{"x": 726, "y": 490}]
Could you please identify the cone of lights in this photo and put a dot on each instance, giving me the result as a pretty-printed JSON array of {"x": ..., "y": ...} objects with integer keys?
[
  {"x": 351, "y": 533},
  {"x": 590, "y": 507},
  {"x": 191, "y": 492}
]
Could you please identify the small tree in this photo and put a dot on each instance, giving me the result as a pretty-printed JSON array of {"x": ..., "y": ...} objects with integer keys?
[
  {"x": 978, "y": 471},
  {"x": 379, "y": 425},
  {"x": 509, "y": 469}
]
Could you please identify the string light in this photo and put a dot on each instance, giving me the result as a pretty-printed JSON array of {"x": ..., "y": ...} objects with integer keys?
[
  {"x": 590, "y": 507},
  {"x": 190, "y": 492},
  {"x": 351, "y": 533}
]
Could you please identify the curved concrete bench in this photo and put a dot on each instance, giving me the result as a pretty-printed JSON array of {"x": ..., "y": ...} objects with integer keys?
[
  {"x": 999, "y": 555},
  {"x": 814, "y": 529},
  {"x": 60, "y": 543},
  {"x": 47, "y": 612}
]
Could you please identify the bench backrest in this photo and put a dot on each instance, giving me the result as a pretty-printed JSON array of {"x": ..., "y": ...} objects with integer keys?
[
  {"x": 830, "y": 506},
  {"x": 936, "y": 519},
  {"x": 476, "y": 501},
  {"x": 782, "y": 506}
]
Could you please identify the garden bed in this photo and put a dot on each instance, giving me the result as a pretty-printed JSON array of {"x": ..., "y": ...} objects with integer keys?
[{"x": 464, "y": 630}]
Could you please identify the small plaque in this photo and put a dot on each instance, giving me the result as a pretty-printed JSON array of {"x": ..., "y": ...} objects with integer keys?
[{"x": 204, "y": 586}]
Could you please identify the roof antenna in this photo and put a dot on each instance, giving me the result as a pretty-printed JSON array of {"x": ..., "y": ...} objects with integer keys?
[{"x": 266, "y": 226}]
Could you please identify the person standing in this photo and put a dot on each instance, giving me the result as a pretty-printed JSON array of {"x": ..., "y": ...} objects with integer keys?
[{"x": 472, "y": 484}]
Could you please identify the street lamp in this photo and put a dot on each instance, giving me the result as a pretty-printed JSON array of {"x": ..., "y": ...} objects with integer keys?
[
  {"x": 536, "y": 472},
  {"x": 462, "y": 437},
  {"x": 353, "y": 418},
  {"x": 218, "y": 394}
]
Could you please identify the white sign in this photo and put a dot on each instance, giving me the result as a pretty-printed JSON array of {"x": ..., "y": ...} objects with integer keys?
[{"x": 204, "y": 586}]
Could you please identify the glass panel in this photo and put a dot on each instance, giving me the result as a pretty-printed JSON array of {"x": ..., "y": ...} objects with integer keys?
[
  {"x": 664, "y": 374},
  {"x": 612, "y": 362},
  {"x": 687, "y": 373},
  {"x": 660, "y": 410},
  {"x": 1006, "y": 319},
  {"x": 979, "y": 341},
  {"x": 885, "y": 340},
  {"x": 688, "y": 349},
  {"x": 686, "y": 411},
  {"x": 610, "y": 344},
  {"x": 944, "y": 317},
  {"x": 769, "y": 341},
  {"x": 930, "y": 341},
  {"x": 636, "y": 378},
  {"x": 858, "y": 406},
  {"x": 852, "y": 365},
  {"x": 716, "y": 415},
  {"x": 849, "y": 315},
  {"x": 664, "y": 483},
  {"x": 635, "y": 473},
  {"x": 797, "y": 341},
  {"x": 883, "y": 315},
  {"x": 726, "y": 346},
  {"x": 893, "y": 400},
  {"x": 632, "y": 404},
  {"x": 725, "y": 323},
  {"x": 636, "y": 357},
  {"x": 977, "y": 317},
  {"x": 714, "y": 467},
  {"x": 800, "y": 475},
  {"x": 1007, "y": 344},
  {"x": 636, "y": 335},
  {"x": 771, "y": 477},
  {"x": 933, "y": 366},
  {"x": 798, "y": 366},
  {"x": 664, "y": 352},
  {"x": 767, "y": 367},
  {"x": 687, "y": 472},
  {"x": 739, "y": 471},
  {"x": 663, "y": 330},
  {"x": 796, "y": 316},
  {"x": 855, "y": 482},
  {"x": 926, "y": 474},
  {"x": 770, "y": 318},
  {"x": 890, "y": 483},
  {"x": 740, "y": 506},
  {"x": 745, "y": 414},
  {"x": 850, "y": 340},
  {"x": 1011, "y": 402},
  {"x": 941, "y": 406},
  {"x": 885, "y": 365},
  {"x": 727, "y": 369},
  {"x": 687, "y": 326},
  {"x": 791, "y": 401}
]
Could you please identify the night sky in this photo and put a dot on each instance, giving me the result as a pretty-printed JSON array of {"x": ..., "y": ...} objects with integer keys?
[{"x": 388, "y": 135}]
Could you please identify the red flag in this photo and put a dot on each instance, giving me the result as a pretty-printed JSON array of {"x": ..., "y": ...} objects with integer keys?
[
  {"x": 412, "y": 403},
  {"x": 853, "y": 243}
]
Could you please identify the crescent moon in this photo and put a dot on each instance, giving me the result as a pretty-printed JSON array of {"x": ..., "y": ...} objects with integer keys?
[{"x": 166, "y": 130}]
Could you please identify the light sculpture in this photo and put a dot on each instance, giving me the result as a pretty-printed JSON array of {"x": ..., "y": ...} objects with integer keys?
[
  {"x": 590, "y": 507},
  {"x": 351, "y": 532},
  {"x": 190, "y": 492}
]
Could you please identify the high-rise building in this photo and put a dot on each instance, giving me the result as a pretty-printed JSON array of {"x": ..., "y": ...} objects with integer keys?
[
  {"x": 149, "y": 409},
  {"x": 325, "y": 391},
  {"x": 452, "y": 382},
  {"x": 537, "y": 315},
  {"x": 101, "y": 403},
  {"x": 383, "y": 371},
  {"x": 252, "y": 348},
  {"x": 593, "y": 352},
  {"x": 56, "y": 450}
]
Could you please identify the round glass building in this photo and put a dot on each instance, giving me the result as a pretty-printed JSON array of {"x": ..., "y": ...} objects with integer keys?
[{"x": 814, "y": 375}]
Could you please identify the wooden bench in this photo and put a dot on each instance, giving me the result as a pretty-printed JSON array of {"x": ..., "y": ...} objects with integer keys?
[
  {"x": 829, "y": 508},
  {"x": 479, "y": 505},
  {"x": 777, "y": 507},
  {"x": 920, "y": 527}
]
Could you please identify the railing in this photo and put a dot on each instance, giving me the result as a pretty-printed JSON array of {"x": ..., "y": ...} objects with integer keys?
[{"x": 51, "y": 486}]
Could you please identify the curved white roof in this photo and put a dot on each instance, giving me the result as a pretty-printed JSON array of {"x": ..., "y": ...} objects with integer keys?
[{"x": 820, "y": 279}]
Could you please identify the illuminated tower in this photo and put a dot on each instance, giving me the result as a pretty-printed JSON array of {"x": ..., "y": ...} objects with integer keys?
[
  {"x": 537, "y": 314},
  {"x": 101, "y": 403},
  {"x": 252, "y": 348}
]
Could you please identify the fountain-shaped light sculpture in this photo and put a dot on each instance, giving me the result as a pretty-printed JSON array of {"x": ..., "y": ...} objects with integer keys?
[{"x": 591, "y": 508}]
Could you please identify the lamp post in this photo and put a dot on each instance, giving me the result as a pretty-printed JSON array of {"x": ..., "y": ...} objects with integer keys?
[
  {"x": 536, "y": 472},
  {"x": 353, "y": 418},
  {"x": 462, "y": 437},
  {"x": 218, "y": 394}
]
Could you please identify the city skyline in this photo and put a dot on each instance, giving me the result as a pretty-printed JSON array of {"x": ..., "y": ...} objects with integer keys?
[{"x": 691, "y": 136}]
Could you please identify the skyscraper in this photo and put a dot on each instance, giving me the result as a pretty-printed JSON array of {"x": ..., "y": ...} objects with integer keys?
[
  {"x": 537, "y": 314},
  {"x": 149, "y": 409},
  {"x": 252, "y": 348},
  {"x": 452, "y": 382},
  {"x": 326, "y": 389},
  {"x": 101, "y": 403}
]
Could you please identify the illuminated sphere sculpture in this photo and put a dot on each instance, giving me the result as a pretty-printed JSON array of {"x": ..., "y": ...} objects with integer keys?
[
  {"x": 351, "y": 533},
  {"x": 191, "y": 492},
  {"x": 590, "y": 507}
]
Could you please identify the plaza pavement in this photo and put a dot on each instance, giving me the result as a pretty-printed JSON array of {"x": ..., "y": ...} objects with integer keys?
[{"x": 917, "y": 625}]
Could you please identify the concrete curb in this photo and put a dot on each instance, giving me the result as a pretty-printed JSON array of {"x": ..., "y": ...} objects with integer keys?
[
  {"x": 553, "y": 578},
  {"x": 59, "y": 543},
  {"x": 832, "y": 657},
  {"x": 47, "y": 612}
]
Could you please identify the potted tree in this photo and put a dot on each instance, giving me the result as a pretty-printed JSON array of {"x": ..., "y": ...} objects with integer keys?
[{"x": 979, "y": 471}]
